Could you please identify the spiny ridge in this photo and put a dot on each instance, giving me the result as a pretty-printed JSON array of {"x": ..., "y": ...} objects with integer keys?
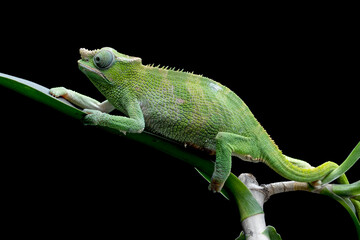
[{"x": 171, "y": 68}]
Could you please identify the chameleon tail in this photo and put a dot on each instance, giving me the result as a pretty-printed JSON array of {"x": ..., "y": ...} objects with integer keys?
[
  {"x": 301, "y": 171},
  {"x": 298, "y": 170},
  {"x": 341, "y": 180},
  {"x": 286, "y": 167}
]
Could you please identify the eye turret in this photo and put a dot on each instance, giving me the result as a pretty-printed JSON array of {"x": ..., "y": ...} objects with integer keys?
[{"x": 104, "y": 59}]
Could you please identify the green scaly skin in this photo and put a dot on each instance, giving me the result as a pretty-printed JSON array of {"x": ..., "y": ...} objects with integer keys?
[{"x": 184, "y": 107}]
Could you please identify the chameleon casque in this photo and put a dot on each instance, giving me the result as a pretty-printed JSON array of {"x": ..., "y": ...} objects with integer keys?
[{"x": 185, "y": 107}]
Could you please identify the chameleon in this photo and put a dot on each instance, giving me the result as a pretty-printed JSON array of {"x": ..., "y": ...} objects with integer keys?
[{"x": 185, "y": 107}]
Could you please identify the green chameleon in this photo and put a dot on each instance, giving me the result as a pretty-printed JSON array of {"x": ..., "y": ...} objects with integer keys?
[{"x": 185, "y": 107}]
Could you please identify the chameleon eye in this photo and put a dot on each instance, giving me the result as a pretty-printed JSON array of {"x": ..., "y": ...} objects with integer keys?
[{"x": 104, "y": 59}]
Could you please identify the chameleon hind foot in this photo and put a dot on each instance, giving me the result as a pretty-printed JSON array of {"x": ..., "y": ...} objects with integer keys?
[
  {"x": 316, "y": 184},
  {"x": 215, "y": 185}
]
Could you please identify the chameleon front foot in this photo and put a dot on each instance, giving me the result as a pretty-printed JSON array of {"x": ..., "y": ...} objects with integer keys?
[{"x": 58, "y": 91}]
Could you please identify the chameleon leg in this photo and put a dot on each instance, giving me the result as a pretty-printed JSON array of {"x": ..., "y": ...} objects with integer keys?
[
  {"x": 123, "y": 124},
  {"x": 97, "y": 112},
  {"x": 226, "y": 145},
  {"x": 81, "y": 100}
]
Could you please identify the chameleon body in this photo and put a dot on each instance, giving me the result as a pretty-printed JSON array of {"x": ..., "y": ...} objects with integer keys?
[{"x": 185, "y": 107}]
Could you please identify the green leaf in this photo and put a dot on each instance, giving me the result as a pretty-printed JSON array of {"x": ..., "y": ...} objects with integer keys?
[
  {"x": 208, "y": 179},
  {"x": 41, "y": 94},
  {"x": 271, "y": 233},
  {"x": 347, "y": 190},
  {"x": 247, "y": 204},
  {"x": 347, "y": 204},
  {"x": 346, "y": 165},
  {"x": 241, "y": 236},
  {"x": 356, "y": 203}
]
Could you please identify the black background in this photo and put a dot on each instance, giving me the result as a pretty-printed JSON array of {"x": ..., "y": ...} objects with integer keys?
[{"x": 296, "y": 67}]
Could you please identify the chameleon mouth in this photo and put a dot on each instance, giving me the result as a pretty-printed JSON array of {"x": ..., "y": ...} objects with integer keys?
[
  {"x": 83, "y": 66},
  {"x": 92, "y": 72}
]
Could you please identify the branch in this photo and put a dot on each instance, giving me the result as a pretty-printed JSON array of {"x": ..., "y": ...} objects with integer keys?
[
  {"x": 255, "y": 226},
  {"x": 342, "y": 190}
]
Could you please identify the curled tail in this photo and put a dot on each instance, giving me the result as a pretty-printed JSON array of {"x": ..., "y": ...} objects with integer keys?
[{"x": 301, "y": 171}]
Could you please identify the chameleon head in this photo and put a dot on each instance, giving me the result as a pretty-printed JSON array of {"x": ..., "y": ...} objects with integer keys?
[{"x": 105, "y": 66}]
